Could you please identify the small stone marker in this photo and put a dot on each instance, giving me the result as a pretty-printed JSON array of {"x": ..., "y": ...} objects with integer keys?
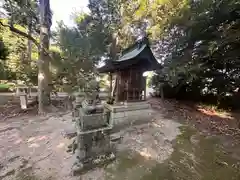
[{"x": 23, "y": 100}]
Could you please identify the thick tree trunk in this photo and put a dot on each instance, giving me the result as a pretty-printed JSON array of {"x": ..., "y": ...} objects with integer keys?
[
  {"x": 43, "y": 71},
  {"x": 43, "y": 66},
  {"x": 114, "y": 49},
  {"x": 29, "y": 43}
]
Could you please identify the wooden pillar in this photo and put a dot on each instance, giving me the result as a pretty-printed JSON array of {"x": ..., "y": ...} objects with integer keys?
[
  {"x": 129, "y": 85},
  {"x": 111, "y": 88},
  {"x": 145, "y": 92},
  {"x": 161, "y": 91},
  {"x": 117, "y": 87}
]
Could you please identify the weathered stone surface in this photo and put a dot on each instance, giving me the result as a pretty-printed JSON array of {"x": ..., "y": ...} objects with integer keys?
[
  {"x": 116, "y": 138},
  {"x": 91, "y": 121},
  {"x": 129, "y": 114},
  {"x": 92, "y": 142},
  {"x": 7, "y": 172},
  {"x": 69, "y": 133},
  {"x": 77, "y": 168},
  {"x": 127, "y": 107},
  {"x": 89, "y": 108}
]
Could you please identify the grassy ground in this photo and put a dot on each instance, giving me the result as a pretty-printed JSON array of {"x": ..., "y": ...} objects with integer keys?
[{"x": 6, "y": 87}]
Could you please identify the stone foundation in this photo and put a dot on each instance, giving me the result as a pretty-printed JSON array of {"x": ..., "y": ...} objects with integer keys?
[
  {"x": 92, "y": 144},
  {"x": 92, "y": 121},
  {"x": 130, "y": 113},
  {"x": 93, "y": 149}
]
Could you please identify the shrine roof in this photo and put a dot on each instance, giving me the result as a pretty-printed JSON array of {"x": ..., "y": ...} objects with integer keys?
[
  {"x": 138, "y": 53},
  {"x": 132, "y": 54}
]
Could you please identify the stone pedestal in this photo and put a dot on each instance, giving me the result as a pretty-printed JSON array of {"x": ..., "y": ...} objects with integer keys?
[
  {"x": 129, "y": 113},
  {"x": 93, "y": 145}
]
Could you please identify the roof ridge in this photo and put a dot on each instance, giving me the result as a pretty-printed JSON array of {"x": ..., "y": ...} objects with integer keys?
[{"x": 143, "y": 41}]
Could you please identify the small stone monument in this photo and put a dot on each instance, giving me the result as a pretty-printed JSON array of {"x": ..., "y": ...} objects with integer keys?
[
  {"x": 23, "y": 99},
  {"x": 92, "y": 144}
]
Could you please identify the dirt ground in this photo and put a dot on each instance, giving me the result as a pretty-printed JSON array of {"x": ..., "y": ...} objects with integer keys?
[
  {"x": 34, "y": 148},
  {"x": 37, "y": 144}
]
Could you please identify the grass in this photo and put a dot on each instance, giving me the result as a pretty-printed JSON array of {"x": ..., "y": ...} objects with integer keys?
[{"x": 6, "y": 87}]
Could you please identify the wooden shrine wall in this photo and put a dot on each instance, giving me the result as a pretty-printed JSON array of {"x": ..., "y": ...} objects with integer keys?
[{"x": 130, "y": 85}]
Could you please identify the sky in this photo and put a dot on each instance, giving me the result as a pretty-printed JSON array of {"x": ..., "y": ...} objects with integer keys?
[{"x": 62, "y": 10}]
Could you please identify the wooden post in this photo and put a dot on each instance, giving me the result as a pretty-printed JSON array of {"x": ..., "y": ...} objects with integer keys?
[
  {"x": 129, "y": 85},
  {"x": 145, "y": 91},
  {"x": 145, "y": 88},
  {"x": 127, "y": 90},
  {"x": 110, "y": 79},
  {"x": 117, "y": 87},
  {"x": 161, "y": 91}
]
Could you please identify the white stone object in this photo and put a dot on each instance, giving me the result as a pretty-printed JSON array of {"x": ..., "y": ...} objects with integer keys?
[{"x": 23, "y": 100}]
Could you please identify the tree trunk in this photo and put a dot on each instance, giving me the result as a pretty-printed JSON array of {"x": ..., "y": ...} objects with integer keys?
[
  {"x": 114, "y": 49},
  {"x": 43, "y": 72},
  {"x": 29, "y": 43},
  {"x": 43, "y": 65}
]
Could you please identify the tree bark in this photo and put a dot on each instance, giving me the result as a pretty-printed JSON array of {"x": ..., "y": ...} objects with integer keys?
[
  {"x": 43, "y": 65},
  {"x": 114, "y": 49},
  {"x": 29, "y": 43},
  {"x": 21, "y": 33}
]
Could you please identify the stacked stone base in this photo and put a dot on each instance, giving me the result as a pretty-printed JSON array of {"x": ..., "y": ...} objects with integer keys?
[
  {"x": 94, "y": 149},
  {"x": 131, "y": 113},
  {"x": 92, "y": 144}
]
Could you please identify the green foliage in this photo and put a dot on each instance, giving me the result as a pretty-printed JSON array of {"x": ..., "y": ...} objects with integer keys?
[
  {"x": 80, "y": 49},
  {"x": 23, "y": 17},
  {"x": 7, "y": 87},
  {"x": 203, "y": 56},
  {"x": 4, "y": 88},
  {"x": 23, "y": 12},
  {"x": 3, "y": 56},
  {"x": 83, "y": 47},
  {"x": 15, "y": 67},
  {"x": 196, "y": 41}
]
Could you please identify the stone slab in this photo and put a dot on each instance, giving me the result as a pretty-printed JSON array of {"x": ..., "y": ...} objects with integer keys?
[
  {"x": 127, "y": 107},
  {"x": 131, "y": 113},
  {"x": 92, "y": 121}
]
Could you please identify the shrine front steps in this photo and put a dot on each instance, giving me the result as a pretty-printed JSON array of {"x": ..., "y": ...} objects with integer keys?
[{"x": 129, "y": 114}]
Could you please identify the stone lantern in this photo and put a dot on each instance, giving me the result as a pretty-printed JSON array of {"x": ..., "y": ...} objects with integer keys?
[{"x": 93, "y": 145}]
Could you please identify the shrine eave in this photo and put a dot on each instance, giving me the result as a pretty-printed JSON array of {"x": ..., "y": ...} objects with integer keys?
[{"x": 138, "y": 55}]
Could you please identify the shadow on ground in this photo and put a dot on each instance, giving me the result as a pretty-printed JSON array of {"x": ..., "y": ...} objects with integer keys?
[{"x": 194, "y": 157}]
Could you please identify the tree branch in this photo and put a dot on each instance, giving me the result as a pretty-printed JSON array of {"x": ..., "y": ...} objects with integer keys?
[{"x": 21, "y": 33}]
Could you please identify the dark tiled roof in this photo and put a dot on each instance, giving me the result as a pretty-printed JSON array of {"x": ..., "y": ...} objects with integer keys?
[
  {"x": 132, "y": 54},
  {"x": 138, "y": 53}
]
